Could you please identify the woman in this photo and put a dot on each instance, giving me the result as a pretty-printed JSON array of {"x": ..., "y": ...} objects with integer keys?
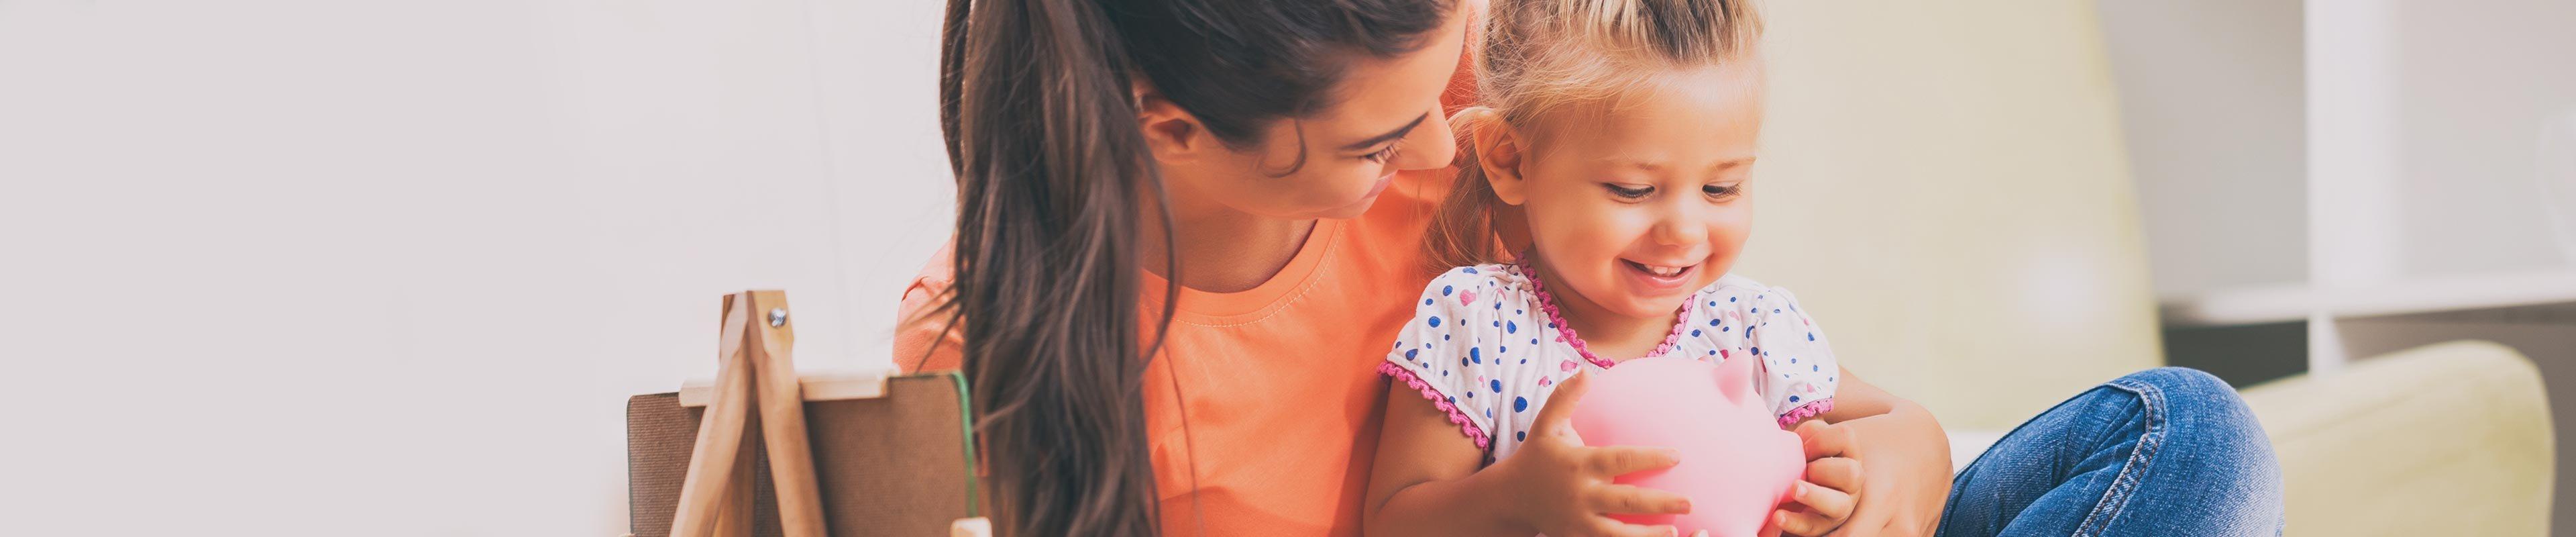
[
  {"x": 1179, "y": 225},
  {"x": 1241, "y": 172}
]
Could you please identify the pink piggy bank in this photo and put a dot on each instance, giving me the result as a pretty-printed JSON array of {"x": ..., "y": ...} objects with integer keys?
[{"x": 1736, "y": 463}]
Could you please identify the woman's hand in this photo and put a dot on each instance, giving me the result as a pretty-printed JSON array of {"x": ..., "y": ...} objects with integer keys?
[
  {"x": 1908, "y": 483},
  {"x": 1903, "y": 455},
  {"x": 1563, "y": 488},
  {"x": 1824, "y": 500}
]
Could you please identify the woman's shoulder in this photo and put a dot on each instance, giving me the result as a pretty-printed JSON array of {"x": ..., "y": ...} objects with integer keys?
[{"x": 926, "y": 338}]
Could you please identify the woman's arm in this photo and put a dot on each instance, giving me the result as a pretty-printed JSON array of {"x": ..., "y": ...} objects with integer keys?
[{"x": 1904, "y": 455}]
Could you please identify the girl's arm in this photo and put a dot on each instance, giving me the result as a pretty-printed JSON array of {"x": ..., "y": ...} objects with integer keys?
[
  {"x": 1904, "y": 456},
  {"x": 1426, "y": 480}
]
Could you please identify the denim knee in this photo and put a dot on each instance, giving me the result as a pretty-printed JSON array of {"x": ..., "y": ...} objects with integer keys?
[
  {"x": 2166, "y": 451},
  {"x": 2196, "y": 405},
  {"x": 2212, "y": 436},
  {"x": 2180, "y": 383},
  {"x": 2189, "y": 391}
]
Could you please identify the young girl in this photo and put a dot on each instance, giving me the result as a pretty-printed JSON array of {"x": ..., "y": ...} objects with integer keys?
[{"x": 1618, "y": 136}]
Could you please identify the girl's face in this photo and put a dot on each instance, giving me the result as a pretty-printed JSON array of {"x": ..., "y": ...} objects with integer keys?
[
  {"x": 1635, "y": 203},
  {"x": 1387, "y": 118}
]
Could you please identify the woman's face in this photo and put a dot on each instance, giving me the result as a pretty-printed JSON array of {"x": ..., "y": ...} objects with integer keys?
[
  {"x": 1635, "y": 204},
  {"x": 1387, "y": 118}
]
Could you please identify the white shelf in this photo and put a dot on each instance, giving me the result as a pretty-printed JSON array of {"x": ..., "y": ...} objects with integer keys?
[{"x": 2298, "y": 302}]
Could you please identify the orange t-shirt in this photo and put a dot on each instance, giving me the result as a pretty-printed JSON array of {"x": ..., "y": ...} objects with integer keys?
[{"x": 1279, "y": 383}]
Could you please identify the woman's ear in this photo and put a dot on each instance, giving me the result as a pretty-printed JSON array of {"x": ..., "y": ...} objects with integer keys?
[
  {"x": 1499, "y": 150},
  {"x": 1170, "y": 132}
]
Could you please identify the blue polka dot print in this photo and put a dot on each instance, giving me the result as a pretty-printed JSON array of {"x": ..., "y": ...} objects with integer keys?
[{"x": 1516, "y": 371}]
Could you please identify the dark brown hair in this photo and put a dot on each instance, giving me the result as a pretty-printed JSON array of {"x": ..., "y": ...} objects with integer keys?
[{"x": 1038, "y": 112}]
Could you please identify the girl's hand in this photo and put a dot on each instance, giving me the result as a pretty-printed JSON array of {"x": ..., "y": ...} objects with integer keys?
[
  {"x": 1833, "y": 485},
  {"x": 1562, "y": 488}
]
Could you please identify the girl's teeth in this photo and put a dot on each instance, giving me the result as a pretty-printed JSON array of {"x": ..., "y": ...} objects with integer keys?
[{"x": 1659, "y": 271}]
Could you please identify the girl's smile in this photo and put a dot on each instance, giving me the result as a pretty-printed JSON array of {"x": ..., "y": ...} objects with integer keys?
[{"x": 1659, "y": 279}]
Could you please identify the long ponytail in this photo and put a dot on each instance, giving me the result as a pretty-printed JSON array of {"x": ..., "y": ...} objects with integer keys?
[
  {"x": 1042, "y": 133},
  {"x": 1037, "y": 110}
]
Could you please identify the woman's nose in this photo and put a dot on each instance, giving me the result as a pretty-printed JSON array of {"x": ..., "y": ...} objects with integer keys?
[{"x": 1429, "y": 146}]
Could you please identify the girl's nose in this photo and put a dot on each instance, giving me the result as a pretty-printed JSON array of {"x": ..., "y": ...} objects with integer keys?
[{"x": 1679, "y": 224}]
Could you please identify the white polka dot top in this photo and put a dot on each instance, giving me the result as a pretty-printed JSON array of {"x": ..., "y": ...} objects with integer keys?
[{"x": 1486, "y": 347}]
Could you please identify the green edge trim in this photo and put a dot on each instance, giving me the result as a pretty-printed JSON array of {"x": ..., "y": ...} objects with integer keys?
[{"x": 966, "y": 418}]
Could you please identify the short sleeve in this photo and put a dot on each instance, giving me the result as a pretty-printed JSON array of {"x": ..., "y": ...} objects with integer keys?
[
  {"x": 1800, "y": 372},
  {"x": 925, "y": 337},
  {"x": 1438, "y": 353}
]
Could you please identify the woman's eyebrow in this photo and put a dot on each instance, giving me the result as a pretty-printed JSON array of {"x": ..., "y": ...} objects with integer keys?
[{"x": 1392, "y": 135}]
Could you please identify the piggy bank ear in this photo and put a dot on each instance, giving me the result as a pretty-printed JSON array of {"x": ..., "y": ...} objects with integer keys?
[{"x": 1735, "y": 377}]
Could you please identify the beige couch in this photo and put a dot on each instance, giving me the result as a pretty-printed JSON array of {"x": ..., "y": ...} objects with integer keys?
[{"x": 1944, "y": 184}]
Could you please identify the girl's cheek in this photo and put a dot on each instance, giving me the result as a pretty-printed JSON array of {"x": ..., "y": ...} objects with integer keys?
[
  {"x": 1739, "y": 228},
  {"x": 1585, "y": 231},
  {"x": 1726, "y": 239},
  {"x": 1728, "y": 233},
  {"x": 1568, "y": 236}
]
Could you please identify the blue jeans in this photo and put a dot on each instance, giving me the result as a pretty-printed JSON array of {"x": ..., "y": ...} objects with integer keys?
[{"x": 2167, "y": 451}]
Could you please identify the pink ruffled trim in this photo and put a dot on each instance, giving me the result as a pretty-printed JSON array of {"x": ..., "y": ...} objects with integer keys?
[
  {"x": 1565, "y": 332},
  {"x": 1466, "y": 425},
  {"x": 1811, "y": 409}
]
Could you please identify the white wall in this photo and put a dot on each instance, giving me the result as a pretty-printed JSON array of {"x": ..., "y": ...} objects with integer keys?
[
  {"x": 2419, "y": 121},
  {"x": 2427, "y": 121},
  {"x": 269, "y": 260},
  {"x": 2210, "y": 103},
  {"x": 2476, "y": 81}
]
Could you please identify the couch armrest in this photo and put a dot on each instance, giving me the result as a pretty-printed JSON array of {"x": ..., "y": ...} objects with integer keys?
[{"x": 2445, "y": 439}]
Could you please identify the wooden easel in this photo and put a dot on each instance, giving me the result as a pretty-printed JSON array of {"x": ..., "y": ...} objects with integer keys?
[
  {"x": 755, "y": 365},
  {"x": 757, "y": 386}
]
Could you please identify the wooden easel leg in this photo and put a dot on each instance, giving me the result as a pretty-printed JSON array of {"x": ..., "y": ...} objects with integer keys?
[
  {"x": 771, "y": 340},
  {"x": 734, "y": 518},
  {"x": 718, "y": 453}
]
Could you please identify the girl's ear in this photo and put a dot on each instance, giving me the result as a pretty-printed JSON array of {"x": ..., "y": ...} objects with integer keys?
[
  {"x": 1499, "y": 152},
  {"x": 1170, "y": 132}
]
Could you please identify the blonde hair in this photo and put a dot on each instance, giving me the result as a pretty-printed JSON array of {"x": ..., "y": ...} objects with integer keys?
[{"x": 1542, "y": 56}]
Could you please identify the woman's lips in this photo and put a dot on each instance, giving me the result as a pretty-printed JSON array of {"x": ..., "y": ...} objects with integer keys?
[
  {"x": 1382, "y": 183},
  {"x": 1362, "y": 203}
]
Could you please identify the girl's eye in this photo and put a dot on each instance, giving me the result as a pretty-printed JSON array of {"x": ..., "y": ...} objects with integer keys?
[
  {"x": 1628, "y": 192},
  {"x": 1721, "y": 191},
  {"x": 1381, "y": 155}
]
